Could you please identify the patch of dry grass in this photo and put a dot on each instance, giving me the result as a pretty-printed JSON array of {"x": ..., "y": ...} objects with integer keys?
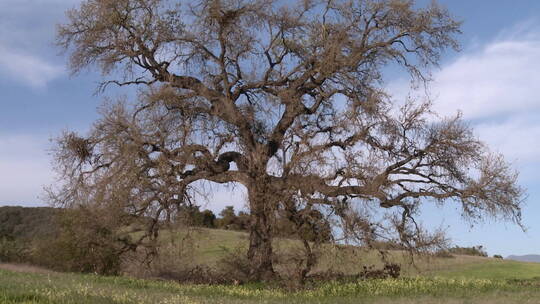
[{"x": 24, "y": 268}]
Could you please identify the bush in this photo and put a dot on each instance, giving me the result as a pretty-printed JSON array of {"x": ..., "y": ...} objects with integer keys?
[
  {"x": 74, "y": 254},
  {"x": 474, "y": 250},
  {"x": 389, "y": 270},
  {"x": 84, "y": 244},
  {"x": 443, "y": 253},
  {"x": 236, "y": 266},
  {"x": 22, "y": 223},
  {"x": 12, "y": 251},
  {"x": 173, "y": 261},
  {"x": 20, "y": 227},
  {"x": 498, "y": 256},
  {"x": 193, "y": 217}
]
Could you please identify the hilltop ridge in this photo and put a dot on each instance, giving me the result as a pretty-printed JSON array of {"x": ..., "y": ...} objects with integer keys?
[{"x": 533, "y": 258}]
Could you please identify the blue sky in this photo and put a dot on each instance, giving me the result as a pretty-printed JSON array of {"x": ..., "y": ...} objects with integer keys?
[{"x": 493, "y": 80}]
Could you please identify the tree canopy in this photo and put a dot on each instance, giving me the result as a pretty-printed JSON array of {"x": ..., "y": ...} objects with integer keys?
[{"x": 287, "y": 99}]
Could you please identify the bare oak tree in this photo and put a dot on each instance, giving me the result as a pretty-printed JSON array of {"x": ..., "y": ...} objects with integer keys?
[{"x": 285, "y": 98}]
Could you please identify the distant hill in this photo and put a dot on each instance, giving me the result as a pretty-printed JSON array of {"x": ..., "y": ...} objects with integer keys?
[
  {"x": 535, "y": 258},
  {"x": 27, "y": 222}
]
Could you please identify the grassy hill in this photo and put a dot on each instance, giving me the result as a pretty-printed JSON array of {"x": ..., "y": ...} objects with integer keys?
[
  {"x": 458, "y": 279},
  {"x": 208, "y": 246}
]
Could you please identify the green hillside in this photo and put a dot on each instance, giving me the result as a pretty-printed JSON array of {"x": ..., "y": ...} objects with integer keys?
[
  {"x": 197, "y": 246},
  {"x": 493, "y": 269},
  {"x": 208, "y": 246}
]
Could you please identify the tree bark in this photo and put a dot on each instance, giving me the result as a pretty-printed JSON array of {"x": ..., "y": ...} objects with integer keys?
[{"x": 260, "y": 238}]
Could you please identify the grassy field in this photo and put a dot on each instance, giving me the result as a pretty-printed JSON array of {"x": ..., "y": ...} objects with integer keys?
[
  {"x": 19, "y": 287},
  {"x": 462, "y": 279}
]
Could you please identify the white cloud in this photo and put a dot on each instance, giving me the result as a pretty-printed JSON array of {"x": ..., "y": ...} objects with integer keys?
[
  {"x": 499, "y": 80},
  {"x": 27, "y": 33},
  {"x": 517, "y": 137},
  {"x": 496, "y": 89},
  {"x": 27, "y": 69},
  {"x": 24, "y": 168}
]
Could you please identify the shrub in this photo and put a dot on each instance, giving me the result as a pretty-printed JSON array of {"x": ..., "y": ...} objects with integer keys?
[
  {"x": 20, "y": 227},
  {"x": 12, "y": 250},
  {"x": 445, "y": 254},
  {"x": 236, "y": 265},
  {"x": 24, "y": 223},
  {"x": 388, "y": 271},
  {"x": 84, "y": 244},
  {"x": 498, "y": 256},
  {"x": 194, "y": 217},
  {"x": 474, "y": 250}
]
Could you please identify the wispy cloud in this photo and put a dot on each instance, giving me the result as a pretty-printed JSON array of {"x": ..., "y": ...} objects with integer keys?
[
  {"x": 27, "y": 69},
  {"x": 502, "y": 78},
  {"x": 496, "y": 89},
  {"x": 27, "y": 29},
  {"x": 517, "y": 137}
]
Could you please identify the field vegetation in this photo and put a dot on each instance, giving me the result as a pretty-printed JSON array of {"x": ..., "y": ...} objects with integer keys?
[
  {"x": 486, "y": 281},
  {"x": 54, "y": 243},
  {"x": 440, "y": 278}
]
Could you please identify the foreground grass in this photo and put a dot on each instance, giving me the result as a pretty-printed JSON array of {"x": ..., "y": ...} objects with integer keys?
[{"x": 61, "y": 288}]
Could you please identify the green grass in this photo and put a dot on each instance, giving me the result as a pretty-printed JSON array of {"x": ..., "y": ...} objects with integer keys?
[
  {"x": 494, "y": 269},
  {"x": 77, "y": 288},
  {"x": 462, "y": 279}
]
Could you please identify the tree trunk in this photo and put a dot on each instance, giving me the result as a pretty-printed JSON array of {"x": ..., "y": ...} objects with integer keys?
[{"x": 260, "y": 238}]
